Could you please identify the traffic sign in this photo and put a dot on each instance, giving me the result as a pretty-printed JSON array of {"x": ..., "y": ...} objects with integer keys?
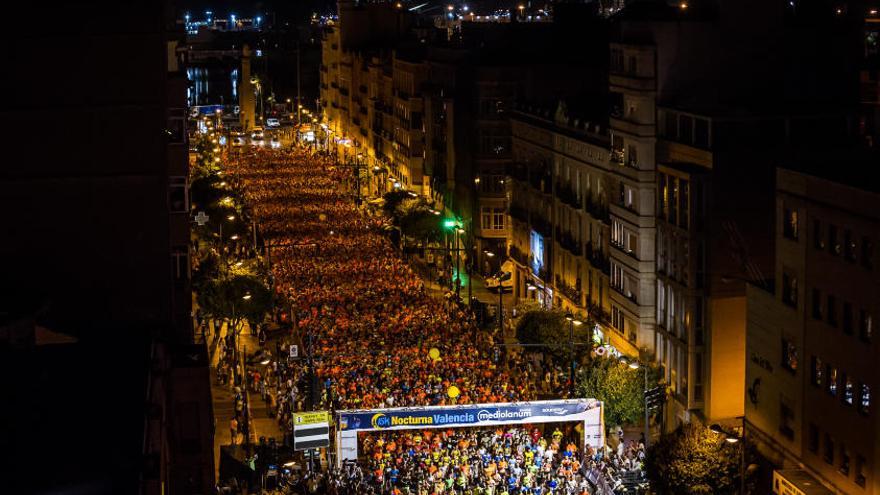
[
  {"x": 294, "y": 351},
  {"x": 311, "y": 430}
]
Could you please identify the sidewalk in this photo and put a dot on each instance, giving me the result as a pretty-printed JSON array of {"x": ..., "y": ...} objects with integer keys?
[{"x": 223, "y": 401}]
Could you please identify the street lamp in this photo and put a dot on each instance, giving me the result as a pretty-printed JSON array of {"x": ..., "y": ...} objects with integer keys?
[
  {"x": 572, "y": 321},
  {"x": 731, "y": 438},
  {"x": 636, "y": 365}
]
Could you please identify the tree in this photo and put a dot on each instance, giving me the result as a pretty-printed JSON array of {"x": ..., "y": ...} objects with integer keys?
[
  {"x": 550, "y": 329},
  {"x": 237, "y": 298},
  {"x": 619, "y": 387},
  {"x": 393, "y": 199},
  {"x": 693, "y": 459},
  {"x": 419, "y": 223},
  {"x": 205, "y": 163}
]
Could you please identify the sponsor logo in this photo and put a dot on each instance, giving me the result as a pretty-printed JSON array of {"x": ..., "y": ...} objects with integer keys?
[
  {"x": 555, "y": 410},
  {"x": 379, "y": 420},
  {"x": 499, "y": 414}
]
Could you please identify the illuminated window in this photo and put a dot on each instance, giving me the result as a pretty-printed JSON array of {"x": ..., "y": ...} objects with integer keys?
[
  {"x": 866, "y": 329},
  {"x": 790, "y": 224},
  {"x": 848, "y": 389},
  {"x": 849, "y": 245},
  {"x": 789, "y": 355},
  {"x": 864, "y": 398},
  {"x": 833, "y": 240},
  {"x": 831, "y": 373},
  {"x": 816, "y": 371}
]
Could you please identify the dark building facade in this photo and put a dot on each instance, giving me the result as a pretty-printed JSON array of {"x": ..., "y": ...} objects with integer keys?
[{"x": 98, "y": 237}]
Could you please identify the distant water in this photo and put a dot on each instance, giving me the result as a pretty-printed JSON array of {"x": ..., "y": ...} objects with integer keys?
[{"x": 212, "y": 85}]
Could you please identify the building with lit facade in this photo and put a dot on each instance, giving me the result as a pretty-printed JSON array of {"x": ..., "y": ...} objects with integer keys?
[
  {"x": 811, "y": 346},
  {"x": 559, "y": 211}
]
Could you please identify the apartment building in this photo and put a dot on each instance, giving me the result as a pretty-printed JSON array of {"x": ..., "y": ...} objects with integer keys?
[
  {"x": 370, "y": 101},
  {"x": 812, "y": 344},
  {"x": 559, "y": 212}
]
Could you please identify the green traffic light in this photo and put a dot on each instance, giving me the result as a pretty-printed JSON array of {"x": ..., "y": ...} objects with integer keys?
[{"x": 449, "y": 224}]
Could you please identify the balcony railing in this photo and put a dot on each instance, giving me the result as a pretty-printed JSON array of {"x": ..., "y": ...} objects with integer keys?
[
  {"x": 567, "y": 195},
  {"x": 568, "y": 242},
  {"x": 616, "y": 157},
  {"x": 598, "y": 211},
  {"x": 625, "y": 293},
  {"x": 573, "y": 293},
  {"x": 598, "y": 260}
]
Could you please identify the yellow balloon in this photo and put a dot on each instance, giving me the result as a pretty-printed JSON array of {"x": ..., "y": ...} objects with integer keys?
[
  {"x": 434, "y": 353},
  {"x": 453, "y": 392}
]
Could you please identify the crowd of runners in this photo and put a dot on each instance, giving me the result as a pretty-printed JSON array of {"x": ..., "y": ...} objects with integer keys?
[{"x": 375, "y": 338}]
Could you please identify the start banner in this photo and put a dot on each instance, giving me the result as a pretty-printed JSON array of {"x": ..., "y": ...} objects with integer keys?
[{"x": 471, "y": 415}]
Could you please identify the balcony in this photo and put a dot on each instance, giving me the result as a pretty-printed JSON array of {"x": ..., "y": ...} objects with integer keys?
[
  {"x": 616, "y": 157},
  {"x": 572, "y": 293},
  {"x": 567, "y": 195},
  {"x": 628, "y": 82},
  {"x": 598, "y": 211},
  {"x": 620, "y": 247},
  {"x": 568, "y": 242},
  {"x": 625, "y": 293},
  {"x": 542, "y": 183},
  {"x": 599, "y": 260}
]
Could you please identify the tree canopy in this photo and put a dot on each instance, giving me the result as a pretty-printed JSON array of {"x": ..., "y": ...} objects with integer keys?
[
  {"x": 236, "y": 298},
  {"x": 693, "y": 459},
  {"x": 550, "y": 329},
  {"x": 619, "y": 387}
]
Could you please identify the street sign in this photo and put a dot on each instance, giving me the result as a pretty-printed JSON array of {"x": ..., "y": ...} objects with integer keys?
[
  {"x": 311, "y": 430},
  {"x": 294, "y": 351},
  {"x": 201, "y": 218}
]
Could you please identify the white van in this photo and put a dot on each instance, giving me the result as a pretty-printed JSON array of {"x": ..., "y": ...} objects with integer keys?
[{"x": 505, "y": 282}]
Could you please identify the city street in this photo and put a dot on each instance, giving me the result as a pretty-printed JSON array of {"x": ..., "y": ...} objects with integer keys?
[{"x": 380, "y": 335}]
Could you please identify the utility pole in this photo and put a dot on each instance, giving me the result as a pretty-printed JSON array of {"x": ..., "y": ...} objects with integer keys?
[
  {"x": 298, "y": 89},
  {"x": 647, "y": 419}
]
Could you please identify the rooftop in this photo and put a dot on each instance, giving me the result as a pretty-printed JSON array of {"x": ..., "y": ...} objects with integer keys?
[{"x": 850, "y": 167}]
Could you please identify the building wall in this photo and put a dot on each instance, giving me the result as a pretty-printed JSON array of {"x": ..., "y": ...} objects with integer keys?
[
  {"x": 826, "y": 280},
  {"x": 726, "y": 373}
]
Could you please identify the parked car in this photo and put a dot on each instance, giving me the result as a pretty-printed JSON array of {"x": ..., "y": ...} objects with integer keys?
[{"x": 273, "y": 122}]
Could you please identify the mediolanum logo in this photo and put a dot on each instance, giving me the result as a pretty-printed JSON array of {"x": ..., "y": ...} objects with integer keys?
[
  {"x": 380, "y": 421},
  {"x": 499, "y": 414}
]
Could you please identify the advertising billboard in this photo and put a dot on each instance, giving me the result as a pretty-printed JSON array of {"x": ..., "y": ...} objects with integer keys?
[{"x": 536, "y": 244}]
